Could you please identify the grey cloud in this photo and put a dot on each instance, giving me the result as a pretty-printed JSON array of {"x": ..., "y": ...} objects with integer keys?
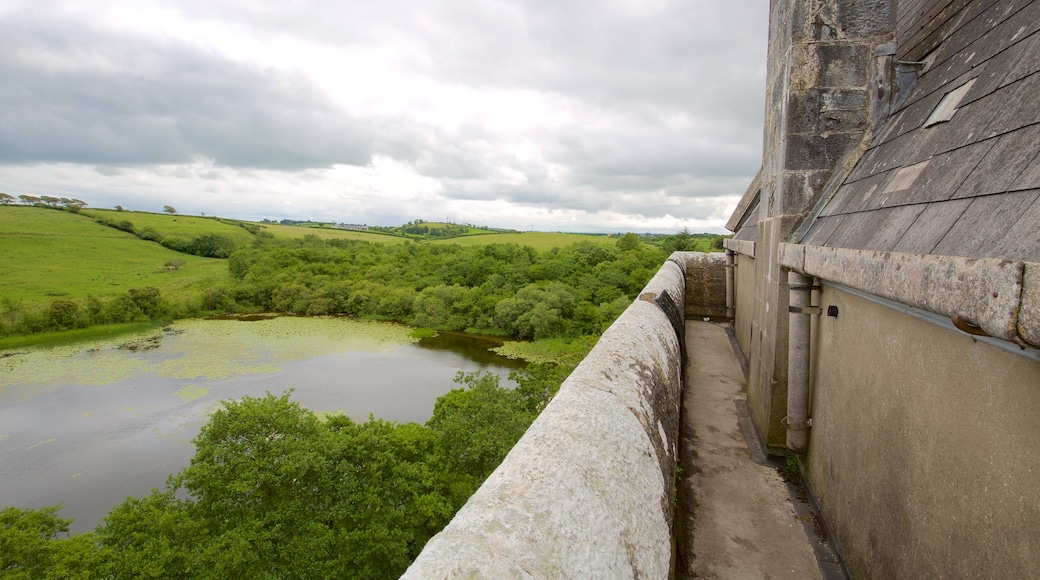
[
  {"x": 607, "y": 54},
  {"x": 139, "y": 101},
  {"x": 629, "y": 63}
]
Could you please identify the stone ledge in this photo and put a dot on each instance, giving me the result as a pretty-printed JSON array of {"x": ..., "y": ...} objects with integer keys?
[
  {"x": 745, "y": 247},
  {"x": 999, "y": 296},
  {"x": 588, "y": 490}
]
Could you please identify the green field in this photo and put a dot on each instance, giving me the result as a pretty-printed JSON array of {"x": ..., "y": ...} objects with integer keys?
[
  {"x": 177, "y": 227},
  {"x": 280, "y": 231},
  {"x": 540, "y": 241},
  {"x": 46, "y": 253}
]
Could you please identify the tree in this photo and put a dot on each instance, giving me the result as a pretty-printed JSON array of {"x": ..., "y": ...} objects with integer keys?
[
  {"x": 29, "y": 199},
  {"x": 681, "y": 242},
  {"x": 119, "y": 208},
  {"x": 30, "y": 546},
  {"x": 629, "y": 242},
  {"x": 6, "y": 199},
  {"x": 477, "y": 426},
  {"x": 169, "y": 209}
]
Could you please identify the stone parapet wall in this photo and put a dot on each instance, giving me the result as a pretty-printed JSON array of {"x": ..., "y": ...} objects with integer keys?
[
  {"x": 588, "y": 491},
  {"x": 706, "y": 285}
]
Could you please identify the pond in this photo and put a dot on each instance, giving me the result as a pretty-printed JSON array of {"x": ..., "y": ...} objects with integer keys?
[{"x": 91, "y": 424}]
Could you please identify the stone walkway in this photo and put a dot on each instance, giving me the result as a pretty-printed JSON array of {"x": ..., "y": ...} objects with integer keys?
[{"x": 739, "y": 520}]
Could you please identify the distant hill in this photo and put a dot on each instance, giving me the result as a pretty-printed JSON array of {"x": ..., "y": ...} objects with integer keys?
[{"x": 50, "y": 253}]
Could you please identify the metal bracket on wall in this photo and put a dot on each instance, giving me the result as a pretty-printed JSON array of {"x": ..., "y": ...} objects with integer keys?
[
  {"x": 804, "y": 309},
  {"x": 799, "y": 426}
]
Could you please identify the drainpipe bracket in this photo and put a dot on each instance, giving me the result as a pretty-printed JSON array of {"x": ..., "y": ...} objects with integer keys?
[
  {"x": 799, "y": 426},
  {"x": 804, "y": 309}
]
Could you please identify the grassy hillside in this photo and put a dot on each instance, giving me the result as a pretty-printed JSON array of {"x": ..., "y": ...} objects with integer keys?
[
  {"x": 177, "y": 227},
  {"x": 540, "y": 241},
  {"x": 48, "y": 253},
  {"x": 280, "y": 231}
]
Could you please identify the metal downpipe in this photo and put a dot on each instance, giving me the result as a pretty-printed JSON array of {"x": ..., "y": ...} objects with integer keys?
[
  {"x": 797, "y": 420},
  {"x": 730, "y": 279}
]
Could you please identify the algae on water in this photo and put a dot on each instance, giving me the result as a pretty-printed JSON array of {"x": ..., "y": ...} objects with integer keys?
[{"x": 197, "y": 350}]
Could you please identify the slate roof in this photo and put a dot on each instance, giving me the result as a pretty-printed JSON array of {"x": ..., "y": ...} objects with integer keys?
[{"x": 969, "y": 186}]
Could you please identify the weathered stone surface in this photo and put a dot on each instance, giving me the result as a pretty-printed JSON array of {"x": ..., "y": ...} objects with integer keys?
[
  {"x": 983, "y": 292},
  {"x": 746, "y": 247},
  {"x": 705, "y": 284},
  {"x": 588, "y": 490},
  {"x": 792, "y": 256},
  {"x": 1029, "y": 315}
]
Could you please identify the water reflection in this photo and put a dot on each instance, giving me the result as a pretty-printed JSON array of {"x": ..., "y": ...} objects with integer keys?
[
  {"x": 474, "y": 347},
  {"x": 88, "y": 443}
]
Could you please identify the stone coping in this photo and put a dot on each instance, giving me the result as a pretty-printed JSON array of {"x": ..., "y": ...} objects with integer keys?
[
  {"x": 588, "y": 491},
  {"x": 1000, "y": 297},
  {"x": 745, "y": 247}
]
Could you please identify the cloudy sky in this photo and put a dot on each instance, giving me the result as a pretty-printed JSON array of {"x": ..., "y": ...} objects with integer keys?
[{"x": 553, "y": 115}]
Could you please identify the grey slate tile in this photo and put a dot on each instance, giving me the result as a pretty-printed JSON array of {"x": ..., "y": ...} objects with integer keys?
[
  {"x": 852, "y": 196},
  {"x": 939, "y": 179},
  {"x": 821, "y": 231},
  {"x": 1022, "y": 241},
  {"x": 912, "y": 116},
  {"x": 985, "y": 222},
  {"x": 876, "y": 230},
  {"x": 748, "y": 232},
  {"x": 991, "y": 73},
  {"x": 940, "y": 22},
  {"x": 931, "y": 226},
  {"x": 1009, "y": 156},
  {"x": 1030, "y": 176},
  {"x": 969, "y": 124},
  {"x": 986, "y": 20},
  {"x": 1028, "y": 64},
  {"x": 1020, "y": 107}
]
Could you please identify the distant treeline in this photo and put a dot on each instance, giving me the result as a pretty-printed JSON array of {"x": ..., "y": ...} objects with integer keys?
[{"x": 498, "y": 288}]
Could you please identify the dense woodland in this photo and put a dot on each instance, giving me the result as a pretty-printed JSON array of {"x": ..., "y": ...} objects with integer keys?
[{"x": 502, "y": 289}]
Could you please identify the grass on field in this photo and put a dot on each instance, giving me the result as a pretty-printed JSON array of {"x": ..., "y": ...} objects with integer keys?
[
  {"x": 280, "y": 231},
  {"x": 540, "y": 241},
  {"x": 89, "y": 334},
  {"x": 45, "y": 254},
  {"x": 175, "y": 226}
]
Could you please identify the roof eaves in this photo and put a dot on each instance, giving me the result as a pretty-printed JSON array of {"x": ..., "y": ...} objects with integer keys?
[{"x": 746, "y": 203}]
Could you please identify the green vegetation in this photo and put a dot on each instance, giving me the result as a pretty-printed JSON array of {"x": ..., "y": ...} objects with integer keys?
[
  {"x": 200, "y": 236},
  {"x": 288, "y": 231},
  {"x": 274, "y": 492},
  {"x": 79, "y": 335},
  {"x": 110, "y": 276},
  {"x": 541, "y": 241},
  {"x": 502, "y": 289},
  {"x": 48, "y": 254}
]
